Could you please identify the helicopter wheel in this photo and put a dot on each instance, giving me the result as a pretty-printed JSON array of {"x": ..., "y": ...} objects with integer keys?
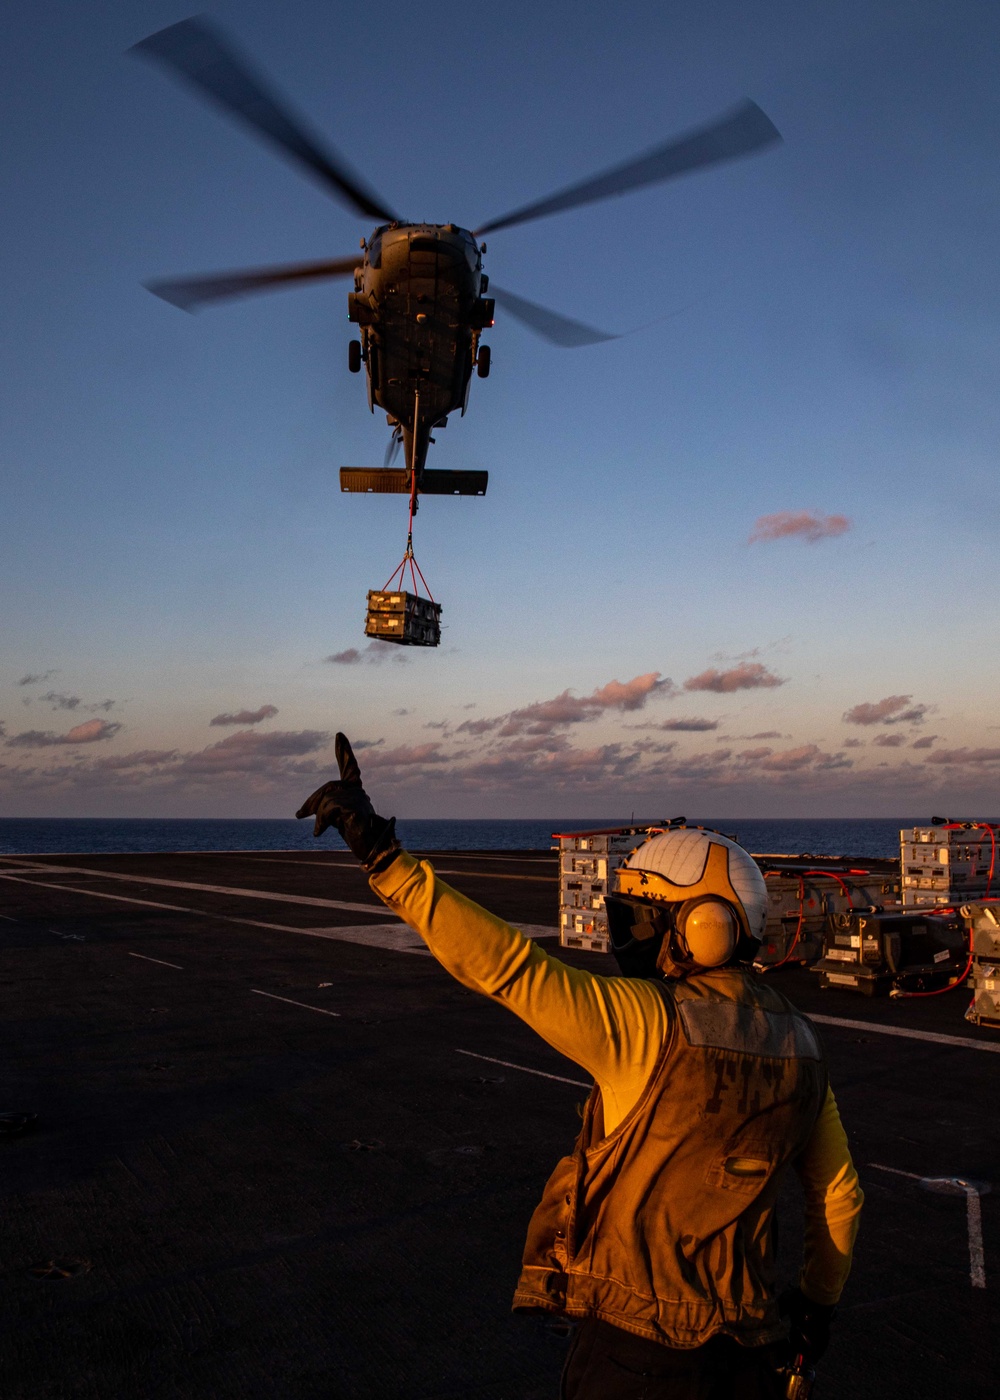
[
  {"x": 483, "y": 362},
  {"x": 354, "y": 356}
]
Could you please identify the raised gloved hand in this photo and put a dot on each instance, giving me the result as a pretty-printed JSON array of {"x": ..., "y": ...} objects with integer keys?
[
  {"x": 809, "y": 1325},
  {"x": 346, "y": 806}
]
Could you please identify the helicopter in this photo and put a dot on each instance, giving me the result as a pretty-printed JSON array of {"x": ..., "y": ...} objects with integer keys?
[{"x": 419, "y": 298}]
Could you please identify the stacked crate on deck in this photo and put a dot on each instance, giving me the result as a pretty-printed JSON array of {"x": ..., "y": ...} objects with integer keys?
[
  {"x": 807, "y": 893},
  {"x": 894, "y": 950},
  {"x": 947, "y": 864},
  {"x": 586, "y": 861},
  {"x": 983, "y": 918}
]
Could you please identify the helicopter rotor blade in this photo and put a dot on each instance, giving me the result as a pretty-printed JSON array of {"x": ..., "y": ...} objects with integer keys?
[
  {"x": 195, "y": 51},
  {"x": 190, "y": 292},
  {"x": 742, "y": 131},
  {"x": 392, "y": 450},
  {"x": 558, "y": 330}
]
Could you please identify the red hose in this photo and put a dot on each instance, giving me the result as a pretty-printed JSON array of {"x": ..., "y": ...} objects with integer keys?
[{"x": 798, "y": 931}]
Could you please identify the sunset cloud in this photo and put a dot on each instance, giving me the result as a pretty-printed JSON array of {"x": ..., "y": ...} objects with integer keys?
[
  {"x": 807, "y": 525},
  {"x": 688, "y": 726},
  {"x": 248, "y": 752},
  {"x": 889, "y": 741},
  {"x": 375, "y": 652},
  {"x": 406, "y": 756},
  {"x": 39, "y": 679},
  {"x": 142, "y": 758},
  {"x": 58, "y": 701},
  {"x": 90, "y": 732},
  {"x": 894, "y": 709},
  {"x": 749, "y": 675},
  {"x": 545, "y": 715},
  {"x": 924, "y": 743},
  {"x": 246, "y": 716},
  {"x": 791, "y": 759},
  {"x": 971, "y": 756}
]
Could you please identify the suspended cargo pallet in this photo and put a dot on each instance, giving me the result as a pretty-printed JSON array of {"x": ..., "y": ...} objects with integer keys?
[{"x": 405, "y": 618}]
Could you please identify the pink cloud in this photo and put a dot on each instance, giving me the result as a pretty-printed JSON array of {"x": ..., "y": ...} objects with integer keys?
[
  {"x": 894, "y": 709},
  {"x": 804, "y": 524},
  {"x": 749, "y": 675},
  {"x": 924, "y": 743},
  {"x": 792, "y": 759},
  {"x": 567, "y": 708},
  {"x": 90, "y": 732},
  {"x": 405, "y": 756},
  {"x": 246, "y": 716},
  {"x": 142, "y": 758},
  {"x": 247, "y": 752},
  {"x": 755, "y": 755},
  {"x": 889, "y": 741},
  {"x": 952, "y": 756}
]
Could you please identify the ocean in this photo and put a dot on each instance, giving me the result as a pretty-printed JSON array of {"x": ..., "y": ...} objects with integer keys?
[{"x": 95, "y": 835}]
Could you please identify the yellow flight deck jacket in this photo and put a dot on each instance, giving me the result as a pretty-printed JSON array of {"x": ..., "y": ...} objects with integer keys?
[{"x": 688, "y": 1254}]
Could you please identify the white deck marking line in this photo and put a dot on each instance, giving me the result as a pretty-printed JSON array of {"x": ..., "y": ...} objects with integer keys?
[
  {"x": 878, "y": 1029},
  {"x": 973, "y": 1215},
  {"x": 8, "y": 918},
  {"x": 351, "y": 906},
  {"x": 977, "y": 1259},
  {"x": 156, "y": 960},
  {"x": 525, "y": 1069},
  {"x": 305, "y": 1005},
  {"x": 390, "y": 936}
]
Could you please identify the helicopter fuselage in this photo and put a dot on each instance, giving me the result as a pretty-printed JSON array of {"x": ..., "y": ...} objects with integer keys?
[{"x": 419, "y": 308}]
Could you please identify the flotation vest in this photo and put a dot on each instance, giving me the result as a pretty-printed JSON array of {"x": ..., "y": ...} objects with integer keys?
[{"x": 664, "y": 1227}]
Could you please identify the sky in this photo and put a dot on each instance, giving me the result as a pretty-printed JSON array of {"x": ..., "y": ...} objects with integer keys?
[{"x": 739, "y": 561}]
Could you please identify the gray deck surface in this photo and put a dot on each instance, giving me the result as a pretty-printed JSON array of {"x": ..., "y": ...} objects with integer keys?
[{"x": 274, "y": 1201}]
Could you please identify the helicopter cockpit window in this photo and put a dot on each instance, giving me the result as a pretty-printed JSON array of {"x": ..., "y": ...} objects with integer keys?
[{"x": 375, "y": 251}]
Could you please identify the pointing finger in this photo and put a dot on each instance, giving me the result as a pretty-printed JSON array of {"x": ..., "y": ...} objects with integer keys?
[{"x": 349, "y": 770}]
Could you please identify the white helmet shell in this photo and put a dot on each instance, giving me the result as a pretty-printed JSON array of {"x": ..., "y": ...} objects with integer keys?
[{"x": 681, "y": 859}]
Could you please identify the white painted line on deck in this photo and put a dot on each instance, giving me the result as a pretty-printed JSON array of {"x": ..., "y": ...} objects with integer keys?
[
  {"x": 176, "y": 966},
  {"x": 8, "y": 918},
  {"x": 933, "y": 1036},
  {"x": 973, "y": 1213},
  {"x": 977, "y": 1259},
  {"x": 352, "y": 906},
  {"x": 380, "y": 935},
  {"x": 525, "y": 1069},
  {"x": 305, "y": 1005}
]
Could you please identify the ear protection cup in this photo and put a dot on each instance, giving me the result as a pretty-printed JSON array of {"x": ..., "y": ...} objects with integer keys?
[{"x": 710, "y": 929}]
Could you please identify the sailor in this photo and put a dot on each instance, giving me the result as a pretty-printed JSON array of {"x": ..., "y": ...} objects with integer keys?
[{"x": 657, "y": 1232}]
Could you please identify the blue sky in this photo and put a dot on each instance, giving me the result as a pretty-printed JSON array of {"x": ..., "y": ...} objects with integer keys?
[{"x": 821, "y": 326}]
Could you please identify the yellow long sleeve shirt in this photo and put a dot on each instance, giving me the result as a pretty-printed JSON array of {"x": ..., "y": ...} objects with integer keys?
[{"x": 614, "y": 1028}]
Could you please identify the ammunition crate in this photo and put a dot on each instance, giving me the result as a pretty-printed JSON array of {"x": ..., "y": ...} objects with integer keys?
[
  {"x": 586, "y": 862},
  {"x": 403, "y": 617},
  {"x": 820, "y": 895},
  {"x": 873, "y": 952},
  {"x": 944, "y": 866}
]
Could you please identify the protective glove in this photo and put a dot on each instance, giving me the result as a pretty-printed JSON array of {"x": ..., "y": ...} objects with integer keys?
[
  {"x": 809, "y": 1325},
  {"x": 346, "y": 806}
]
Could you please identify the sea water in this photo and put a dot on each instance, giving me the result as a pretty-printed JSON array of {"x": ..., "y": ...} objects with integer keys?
[{"x": 94, "y": 835}]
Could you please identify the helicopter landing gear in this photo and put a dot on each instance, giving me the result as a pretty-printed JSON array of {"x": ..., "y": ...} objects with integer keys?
[
  {"x": 483, "y": 362},
  {"x": 354, "y": 356}
]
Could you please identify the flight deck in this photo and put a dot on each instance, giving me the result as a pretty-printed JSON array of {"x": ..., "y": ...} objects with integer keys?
[{"x": 280, "y": 1152}]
